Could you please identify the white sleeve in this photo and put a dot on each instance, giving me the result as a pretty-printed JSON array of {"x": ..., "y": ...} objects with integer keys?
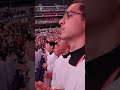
[
  {"x": 51, "y": 62},
  {"x": 81, "y": 82}
]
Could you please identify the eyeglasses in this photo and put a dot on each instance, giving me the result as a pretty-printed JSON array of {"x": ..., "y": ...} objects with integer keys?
[{"x": 69, "y": 14}]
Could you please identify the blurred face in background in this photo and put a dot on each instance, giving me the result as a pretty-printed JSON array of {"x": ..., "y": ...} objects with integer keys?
[
  {"x": 48, "y": 47},
  {"x": 61, "y": 47}
]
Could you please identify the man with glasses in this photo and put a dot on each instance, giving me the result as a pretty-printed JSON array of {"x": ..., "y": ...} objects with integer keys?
[{"x": 71, "y": 74}]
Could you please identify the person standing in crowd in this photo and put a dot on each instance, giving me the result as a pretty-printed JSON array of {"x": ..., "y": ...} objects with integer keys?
[
  {"x": 38, "y": 56},
  {"x": 3, "y": 75},
  {"x": 30, "y": 57},
  {"x": 51, "y": 57},
  {"x": 63, "y": 47},
  {"x": 62, "y": 50},
  {"x": 72, "y": 69}
]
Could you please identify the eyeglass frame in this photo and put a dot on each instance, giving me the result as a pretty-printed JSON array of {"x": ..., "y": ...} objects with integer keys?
[{"x": 67, "y": 13}]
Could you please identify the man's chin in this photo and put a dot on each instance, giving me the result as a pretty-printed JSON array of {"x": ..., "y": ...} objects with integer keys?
[{"x": 63, "y": 37}]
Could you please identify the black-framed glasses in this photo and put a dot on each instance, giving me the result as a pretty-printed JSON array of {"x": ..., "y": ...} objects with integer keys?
[{"x": 69, "y": 14}]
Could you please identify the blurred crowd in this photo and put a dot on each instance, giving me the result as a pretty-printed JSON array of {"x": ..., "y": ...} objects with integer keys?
[
  {"x": 6, "y": 13},
  {"x": 16, "y": 37},
  {"x": 48, "y": 49},
  {"x": 47, "y": 31},
  {"x": 50, "y": 34}
]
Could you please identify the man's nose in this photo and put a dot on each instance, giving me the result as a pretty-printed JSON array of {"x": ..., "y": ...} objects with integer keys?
[{"x": 62, "y": 21}]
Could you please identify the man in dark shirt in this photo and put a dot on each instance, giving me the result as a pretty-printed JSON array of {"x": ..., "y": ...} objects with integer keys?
[
  {"x": 100, "y": 69},
  {"x": 102, "y": 44}
]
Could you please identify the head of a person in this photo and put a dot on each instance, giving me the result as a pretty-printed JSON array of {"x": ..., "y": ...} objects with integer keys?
[
  {"x": 62, "y": 47},
  {"x": 49, "y": 46},
  {"x": 73, "y": 21}
]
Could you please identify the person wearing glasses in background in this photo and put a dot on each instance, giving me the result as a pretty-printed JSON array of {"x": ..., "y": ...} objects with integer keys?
[{"x": 72, "y": 69}]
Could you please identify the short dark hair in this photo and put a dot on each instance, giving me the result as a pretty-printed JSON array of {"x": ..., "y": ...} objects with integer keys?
[
  {"x": 82, "y": 9},
  {"x": 82, "y": 6},
  {"x": 52, "y": 44}
]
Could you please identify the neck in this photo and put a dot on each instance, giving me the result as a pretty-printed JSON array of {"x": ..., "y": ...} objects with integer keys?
[
  {"x": 66, "y": 51},
  {"x": 50, "y": 51},
  {"x": 77, "y": 43}
]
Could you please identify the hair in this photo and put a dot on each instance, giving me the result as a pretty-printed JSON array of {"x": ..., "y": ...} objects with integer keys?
[
  {"x": 52, "y": 44},
  {"x": 82, "y": 7}
]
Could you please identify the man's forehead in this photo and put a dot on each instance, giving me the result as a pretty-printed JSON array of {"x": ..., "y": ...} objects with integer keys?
[{"x": 74, "y": 7}]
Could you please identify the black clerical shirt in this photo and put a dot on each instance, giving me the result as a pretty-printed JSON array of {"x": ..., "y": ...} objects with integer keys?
[
  {"x": 66, "y": 55},
  {"x": 99, "y": 69},
  {"x": 76, "y": 55}
]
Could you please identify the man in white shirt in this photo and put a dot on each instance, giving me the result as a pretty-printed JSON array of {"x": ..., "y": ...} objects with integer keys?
[
  {"x": 62, "y": 50},
  {"x": 72, "y": 69},
  {"x": 51, "y": 57}
]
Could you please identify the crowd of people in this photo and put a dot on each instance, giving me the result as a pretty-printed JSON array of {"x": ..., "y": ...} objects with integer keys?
[
  {"x": 6, "y": 13},
  {"x": 50, "y": 35},
  {"x": 60, "y": 63},
  {"x": 56, "y": 60},
  {"x": 47, "y": 51},
  {"x": 15, "y": 37},
  {"x": 70, "y": 71},
  {"x": 48, "y": 31}
]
